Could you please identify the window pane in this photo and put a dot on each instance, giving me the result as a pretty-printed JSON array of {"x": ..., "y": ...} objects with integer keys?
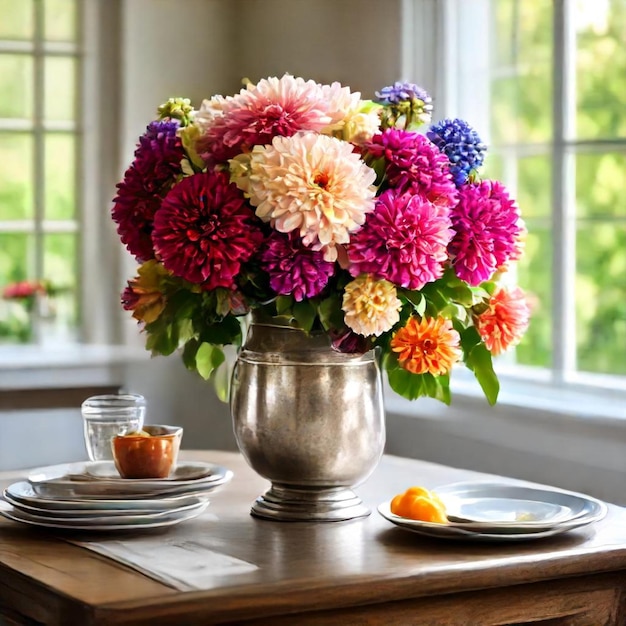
[
  {"x": 600, "y": 68},
  {"x": 17, "y": 19},
  {"x": 60, "y": 93},
  {"x": 16, "y": 86},
  {"x": 16, "y": 176},
  {"x": 521, "y": 71},
  {"x": 60, "y": 203},
  {"x": 16, "y": 258},
  {"x": 601, "y": 297},
  {"x": 16, "y": 264},
  {"x": 534, "y": 273},
  {"x": 60, "y": 273},
  {"x": 60, "y": 20},
  {"x": 534, "y": 186},
  {"x": 601, "y": 185}
]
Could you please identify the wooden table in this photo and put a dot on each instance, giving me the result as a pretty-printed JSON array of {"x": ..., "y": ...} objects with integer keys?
[{"x": 359, "y": 572}]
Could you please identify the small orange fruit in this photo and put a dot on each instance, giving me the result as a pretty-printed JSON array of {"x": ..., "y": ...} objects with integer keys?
[{"x": 421, "y": 504}]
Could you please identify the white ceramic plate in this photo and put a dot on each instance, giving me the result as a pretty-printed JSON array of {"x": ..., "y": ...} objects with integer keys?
[
  {"x": 184, "y": 471},
  {"x": 24, "y": 494},
  {"x": 104, "y": 519},
  {"x": 445, "y": 531},
  {"x": 556, "y": 511},
  {"x": 70, "y": 481},
  {"x": 111, "y": 525},
  {"x": 512, "y": 507}
]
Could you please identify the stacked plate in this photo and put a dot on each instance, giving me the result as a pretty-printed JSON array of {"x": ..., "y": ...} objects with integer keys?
[
  {"x": 488, "y": 511},
  {"x": 92, "y": 496}
]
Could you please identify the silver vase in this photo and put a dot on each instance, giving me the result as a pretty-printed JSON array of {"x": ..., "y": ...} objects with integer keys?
[{"x": 309, "y": 419}]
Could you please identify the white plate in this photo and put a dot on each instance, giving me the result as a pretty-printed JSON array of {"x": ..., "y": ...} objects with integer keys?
[
  {"x": 23, "y": 493},
  {"x": 69, "y": 481},
  {"x": 557, "y": 511},
  {"x": 104, "y": 519},
  {"x": 445, "y": 531},
  {"x": 512, "y": 507},
  {"x": 111, "y": 525},
  {"x": 184, "y": 471}
]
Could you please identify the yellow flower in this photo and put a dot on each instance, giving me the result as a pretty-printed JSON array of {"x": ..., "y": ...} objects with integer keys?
[
  {"x": 427, "y": 346},
  {"x": 143, "y": 295},
  {"x": 370, "y": 306}
]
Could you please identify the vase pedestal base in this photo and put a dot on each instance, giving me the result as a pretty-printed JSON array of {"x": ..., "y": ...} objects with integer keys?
[{"x": 301, "y": 504}]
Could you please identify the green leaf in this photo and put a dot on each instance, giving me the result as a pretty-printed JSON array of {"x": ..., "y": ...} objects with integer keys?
[
  {"x": 222, "y": 333},
  {"x": 185, "y": 330},
  {"x": 284, "y": 305},
  {"x": 208, "y": 357},
  {"x": 479, "y": 361},
  {"x": 408, "y": 385},
  {"x": 189, "y": 354},
  {"x": 417, "y": 300},
  {"x": 304, "y": 313},
  {"x": 222, "y": 380},
  {"x": 330, "y": 313},
  {"x": 469, "y": 339},
  {"x": 162, "y": 337}
]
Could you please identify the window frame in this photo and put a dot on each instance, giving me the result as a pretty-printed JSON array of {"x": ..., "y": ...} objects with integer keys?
[{"x": 561, "y": 382}]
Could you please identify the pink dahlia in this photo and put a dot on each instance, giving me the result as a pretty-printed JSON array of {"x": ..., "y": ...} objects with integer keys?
[
  {"x": 413, "y": 162},
  {"x": 504, "y": 323},
  {"x": 404, "y": 241},
  {"x": 293, "y": 268},
  {"x": 313, "y": 184},
  {"x": 205, "y": 230},
  {"x": 150, "y": 176},
  {"x": 487, "y": 229},
  {"x": 273, "y": 107}
]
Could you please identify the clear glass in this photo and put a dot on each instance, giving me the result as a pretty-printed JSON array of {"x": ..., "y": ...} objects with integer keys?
[
  {"x": 60, "y": 19},
  {"x": 521, "y": 70},
  {"x": 60, "y": 88},
  {"x": 60, "y": 319},
  {"x": 600, "y": 68},
  {"x": 534, "y": 272},
  {"x": 16, "y": 257},
  {"x": 17, "y": 19},
  {"x": 107, "y": 416},
  {"x": 16, "y": 176},
  {"x": 60, "y": 176},
  {"x": 16, "y": 85},
  {"x": 601, "y": 296}
]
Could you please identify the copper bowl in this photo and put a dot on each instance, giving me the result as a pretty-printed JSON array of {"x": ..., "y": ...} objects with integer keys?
[{"x": 150, "y": 453}]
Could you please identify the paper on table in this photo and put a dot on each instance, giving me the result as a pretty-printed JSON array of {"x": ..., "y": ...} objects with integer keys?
[{"x": 183, "y": 560}]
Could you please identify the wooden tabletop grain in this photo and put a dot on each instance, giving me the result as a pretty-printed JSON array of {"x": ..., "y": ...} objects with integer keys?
[{"x": 301, "y": 566}]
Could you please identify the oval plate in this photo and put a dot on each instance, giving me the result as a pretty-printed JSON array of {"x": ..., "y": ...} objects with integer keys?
[{"x": 567, "y": 511}]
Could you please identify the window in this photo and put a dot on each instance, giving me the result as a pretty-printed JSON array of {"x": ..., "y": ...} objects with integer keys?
[
  {"x": 39, "y": 146},
  {"x": 544, "y": 83}
]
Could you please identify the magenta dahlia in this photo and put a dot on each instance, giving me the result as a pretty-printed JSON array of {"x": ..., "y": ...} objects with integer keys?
[
  {"x": 205, "y": 230},
  {"x": 413, "y": 162},
  {"x": 295, "y": 269},
  {"x": 487, "y": 226},
  {"x": 404, "y": 240},
  {"x": 150, "y": 176}
]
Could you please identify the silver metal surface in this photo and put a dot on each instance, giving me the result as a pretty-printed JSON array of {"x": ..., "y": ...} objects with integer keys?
[{"x": 309, "y": 419}]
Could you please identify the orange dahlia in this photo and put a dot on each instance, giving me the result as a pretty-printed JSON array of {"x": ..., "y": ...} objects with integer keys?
[
  {"x": 427, "y": 346},
  {"x": 504, "y": 323}
]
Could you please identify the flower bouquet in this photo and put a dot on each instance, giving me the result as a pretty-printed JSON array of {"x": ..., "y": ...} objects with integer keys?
[{"x": 352, "y": 217}]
